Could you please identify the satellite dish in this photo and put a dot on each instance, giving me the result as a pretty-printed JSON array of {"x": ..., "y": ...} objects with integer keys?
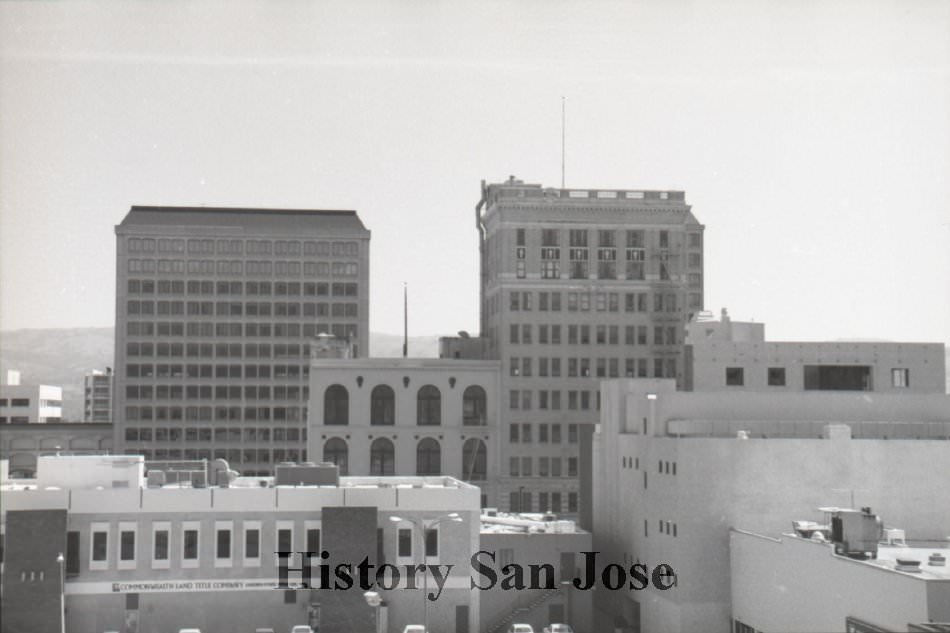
[{"x": 463, "y": 334}]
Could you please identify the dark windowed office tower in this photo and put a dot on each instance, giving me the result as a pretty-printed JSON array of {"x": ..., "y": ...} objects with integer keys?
[
  {"x": 578, "y": 286},
  {"x": 216, "y": 310}
]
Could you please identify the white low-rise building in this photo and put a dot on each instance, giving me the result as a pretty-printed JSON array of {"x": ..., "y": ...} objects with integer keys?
[{"x": 200, "y": 551}]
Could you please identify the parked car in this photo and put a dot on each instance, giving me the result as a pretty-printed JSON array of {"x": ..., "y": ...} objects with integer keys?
[
  {"x": 189, "y": 630},
  {"x": 558, "y": 628},
  {"x": 301, "y": 628},
  {"x": 520, "y": 628},
  {"x": 414, "y": 628},
  {"x": 265, "y": 629}
]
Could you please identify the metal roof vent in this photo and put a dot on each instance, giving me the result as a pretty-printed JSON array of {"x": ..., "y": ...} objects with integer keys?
[
  {"x": 937, "y": 560},
  {"x": 908, "y": 565}
]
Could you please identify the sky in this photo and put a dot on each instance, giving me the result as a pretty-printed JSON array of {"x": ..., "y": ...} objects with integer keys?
[{"x": 812, "y": 140}]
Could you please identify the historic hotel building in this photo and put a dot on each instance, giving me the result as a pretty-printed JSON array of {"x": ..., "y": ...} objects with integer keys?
[
  {"x": 215, "y": 311},
  {"x": 578, "y": 286}
]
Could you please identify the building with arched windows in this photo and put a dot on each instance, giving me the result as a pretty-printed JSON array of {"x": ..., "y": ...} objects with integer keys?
[{"x": 397, "y": 416}]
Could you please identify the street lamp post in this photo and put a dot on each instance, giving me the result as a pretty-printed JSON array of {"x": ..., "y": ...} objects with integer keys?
[
  {"x": 425, "y": 525},
  {"x": 62, "y": 592},
  {"x": 374, "y": 600}
]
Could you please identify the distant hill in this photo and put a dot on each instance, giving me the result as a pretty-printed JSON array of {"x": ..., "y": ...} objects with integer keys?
[{"x": 61, "y": 357}]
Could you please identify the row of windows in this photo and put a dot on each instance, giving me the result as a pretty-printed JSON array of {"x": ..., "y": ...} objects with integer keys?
[
  {"x": 237, "y": 308},
  {"x": 21, "y": 419},
  {"x": 161, "y": 370},
  {"x": 207, "y": 414},
  {"x": 597, "y": 334},
  {"x": 596, "y": 367},
  {"x": 523, "y": 301},
  {"x": 15, "y": 402},
  {"x": 336, "y": 406},
  {"x": 584, "y": 300},
  {"x": 663, "y": 467},
  {"x": 234, "y": 456},
  {"x": 522, "y": 501},
  {"x": 262, "y": 330},
  {"x": 238, "y": 288},
  {"x": 523, "y": 333},
  {"x": 382, "y": 457},
  {"x": 238, "y": 267},
  {"x": 217, "y": 434},
  {"x": 858, "y": 380},
  {"x": 606, "y": 238},
  {"x": 217, "y": 350},
  {"x": 183, "y": 544},
  {"x": 634, "y": 270},
  {"x": 293, "y": 393},
  {"x": 546, "y": 432},
  {"x": 582, "y": 400},
  {"x": 547, "y": 467},
  {"x": 237, "y": 247},
  {"x": 664, "y": 527}
]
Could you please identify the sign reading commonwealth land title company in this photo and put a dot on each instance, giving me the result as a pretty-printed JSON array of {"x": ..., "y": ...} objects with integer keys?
[{"x": 165, "y": 586}]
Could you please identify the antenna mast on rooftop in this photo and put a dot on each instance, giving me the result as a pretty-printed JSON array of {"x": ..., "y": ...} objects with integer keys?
[
  {"x": 405, "y": 320},
  {"x": 562, "y": 139}
]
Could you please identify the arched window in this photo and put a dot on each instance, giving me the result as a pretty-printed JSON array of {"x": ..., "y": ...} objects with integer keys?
[
  {"x": 429, "y": 406},
  {"x": 473, "y": 406},
  {"x": 382, "y": 406},
  {"x": 336, "y": 452},
  {"x": 474, "y": 460},
  {"x": 336, "y": 405},
  {"x": 382, "y": 457},
  {"x": 428, "y": 457}
]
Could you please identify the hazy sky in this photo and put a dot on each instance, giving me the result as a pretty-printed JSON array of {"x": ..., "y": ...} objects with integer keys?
[{"x": 811, "y": 137}]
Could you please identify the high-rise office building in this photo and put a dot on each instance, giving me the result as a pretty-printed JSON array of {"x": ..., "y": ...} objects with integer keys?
[
  {"x": 578, "y": 286},
  {"x": 216, "y": 309},
  {"x": 97, "y": 396}
]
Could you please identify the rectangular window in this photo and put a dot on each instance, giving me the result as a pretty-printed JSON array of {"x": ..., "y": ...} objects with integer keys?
[
  {"x": 161, "y": 531},
  {"x": 285, "y": 536},
  {"x": 222, "y": 547},
  {"x": 432, "y": 542},
  {"x": 900, "y": 378},
  {"x": 99, "y": 551},
  {"x": 189, "y": 543},
  {"x": 404, "y": 536},
  {"x": 776, "y": 376},
  {"x": 252, "y": 543},
  {"x": 127, "y": 545},
  {"x": 313, "y": 536},
  {"x": 735, "y": 376}
]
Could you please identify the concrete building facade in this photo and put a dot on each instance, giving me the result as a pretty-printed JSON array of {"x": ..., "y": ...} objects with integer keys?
[
  {"x": 528, "y": 540},
  {"x": 734, "y": 356},
  {"x": 22, "y": 445},
  {"x": 796, "y": 584},
  {"x": 29, "y": 404},
  {"x": 215, "y": 311},
  {"x": 97, "y": 396},
  {"x": 674, "y": 471},
  {"x": 389, "y": 416},
  {"x": 155, "y": 559},
  {"x": 577, "y": 286}
]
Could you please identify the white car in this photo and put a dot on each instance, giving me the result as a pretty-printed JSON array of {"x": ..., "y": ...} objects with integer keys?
[
  {"x": 301, "y": 628},
  {"x": 520, "y": 628},
  {"x": 558, "y": 628},
  {"x": 414, "y": 628}
]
